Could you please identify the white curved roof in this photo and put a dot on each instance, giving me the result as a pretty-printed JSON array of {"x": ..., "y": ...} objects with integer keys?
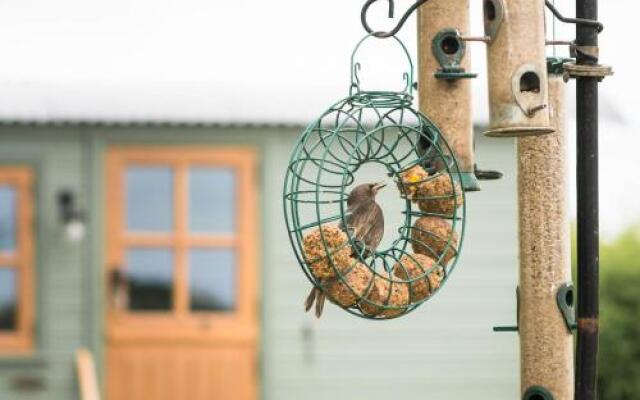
[{"x": 202, "y": 61}]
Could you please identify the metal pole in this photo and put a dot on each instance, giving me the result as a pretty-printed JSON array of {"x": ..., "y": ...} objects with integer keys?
[{"x": 587, "y": 185}]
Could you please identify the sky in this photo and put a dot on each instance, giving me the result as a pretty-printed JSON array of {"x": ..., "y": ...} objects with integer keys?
[{"x": 282, "y": 61}]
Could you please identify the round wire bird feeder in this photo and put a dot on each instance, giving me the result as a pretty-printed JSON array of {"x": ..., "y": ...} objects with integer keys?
[{"x": 378, "y": 127}]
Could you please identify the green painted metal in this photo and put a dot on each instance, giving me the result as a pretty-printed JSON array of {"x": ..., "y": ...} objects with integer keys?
[
  {"x": 566, "y": 303},
  {"x": 555, "y": 65},
  {"x": 470, "y": 182},
  {"x": 371, "y": 127},
  {"x": 449, "y": 49},
  {"x": 512, "y": 328},
  {"x": 537, "y": 393}
]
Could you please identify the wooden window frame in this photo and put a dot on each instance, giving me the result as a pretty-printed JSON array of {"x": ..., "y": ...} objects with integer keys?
[
  {"x": 181, "y": 321},
  {"x": 21, "y": 341}
]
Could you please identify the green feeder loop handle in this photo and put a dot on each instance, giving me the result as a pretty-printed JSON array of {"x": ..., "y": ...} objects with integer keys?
[
  {"x": 383, "y": 128},
  {"x": 355, "y": 67}
]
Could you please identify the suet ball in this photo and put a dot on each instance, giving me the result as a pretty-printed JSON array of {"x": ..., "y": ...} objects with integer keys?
[
  {"x": 389, "y": 298},
  {"x": 434, "y": 237},
  {"x": 318, "y": 256},
  {"x": 416, "y": 266},
  {"x": 437, "y": 196},
  {"x": 356, "y": 282},
  {"x": 410, "y": 180}
]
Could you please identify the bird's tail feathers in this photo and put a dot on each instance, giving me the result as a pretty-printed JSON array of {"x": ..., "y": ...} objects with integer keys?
[
  {"x": 320, "y": 297},
  {"x": 308, "y": 303}
]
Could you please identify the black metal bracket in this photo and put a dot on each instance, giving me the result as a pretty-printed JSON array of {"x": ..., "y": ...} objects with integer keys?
[
  {"x": 403, "y": 19},
  {"x": 578, "y": 21}
]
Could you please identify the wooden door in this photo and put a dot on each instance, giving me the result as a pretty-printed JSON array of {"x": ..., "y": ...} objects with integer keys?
[{"x": 181, "y": 320}]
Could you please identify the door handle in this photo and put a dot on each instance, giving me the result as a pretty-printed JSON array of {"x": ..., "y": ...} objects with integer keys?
[{"x": 118, "y": 287}]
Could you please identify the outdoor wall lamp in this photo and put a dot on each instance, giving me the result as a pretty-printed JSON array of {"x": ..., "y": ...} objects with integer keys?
[{"x": 73, "y": 219}]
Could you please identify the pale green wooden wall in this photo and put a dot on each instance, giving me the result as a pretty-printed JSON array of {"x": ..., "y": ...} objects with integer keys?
[
  {"x": 445, "y": 350},
  {"x": 61, "y": 270}
]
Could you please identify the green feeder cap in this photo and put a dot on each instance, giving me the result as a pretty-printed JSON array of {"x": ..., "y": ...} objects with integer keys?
[
  {"x": 555, "y": 65},
  {"x": 469, "y": 182}
]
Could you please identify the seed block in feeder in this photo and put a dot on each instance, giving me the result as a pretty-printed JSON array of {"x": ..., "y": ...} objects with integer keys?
[
  {"x": 437, "y": 196},
  {"x": 410, "y": 180},
  {"x": 432, "y": 237},
  {"x": 416, "y": 266},
  {"x": 356, "y": 282},
  {"x": 319, "y": 253},
  {"x": 389, "y": 298}
]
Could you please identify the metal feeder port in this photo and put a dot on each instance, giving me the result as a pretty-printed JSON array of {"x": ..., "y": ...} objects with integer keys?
[{"x": 518, "y": 82}]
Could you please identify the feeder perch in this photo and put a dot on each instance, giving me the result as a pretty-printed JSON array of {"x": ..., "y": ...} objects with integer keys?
[
  {"x": 518, "y": 83},
  {"x": 445, "y": 91},
  {"x": 383, "y": 128}
]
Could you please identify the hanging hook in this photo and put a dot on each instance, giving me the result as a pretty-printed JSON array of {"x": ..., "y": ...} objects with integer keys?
[
  {"x": 578, "y": 21},
  {"x": 382, "y": 34}
]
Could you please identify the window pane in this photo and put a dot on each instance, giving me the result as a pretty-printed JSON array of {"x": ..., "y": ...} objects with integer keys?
[
  {"x": 212, "y": 279},
  {"x": 8, "y": 299},
  {"x": 149, "y": 199},
  {"x": 7, "y": 218},
  {"x": 212, "y": 200},
  {"x": 150, "y": 279}
]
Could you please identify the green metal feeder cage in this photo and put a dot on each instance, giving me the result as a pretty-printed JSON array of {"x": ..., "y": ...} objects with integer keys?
[{"x": 375, "y": 127}]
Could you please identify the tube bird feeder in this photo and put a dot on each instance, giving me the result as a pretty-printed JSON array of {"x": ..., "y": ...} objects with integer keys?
[
  {"x": 518, "y": 89},
  {"x": 444, "y": 85},
  {"x": 546, "y": 316}
]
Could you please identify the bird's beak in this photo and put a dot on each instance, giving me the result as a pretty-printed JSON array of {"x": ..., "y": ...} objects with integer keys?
[{"x": 379, "y": 186}]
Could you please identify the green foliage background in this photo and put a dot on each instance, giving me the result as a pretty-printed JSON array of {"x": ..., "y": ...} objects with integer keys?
[{"x": 619, "y": 362}]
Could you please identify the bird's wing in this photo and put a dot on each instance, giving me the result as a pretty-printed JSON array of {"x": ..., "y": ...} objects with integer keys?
[
  {"x": 375, "y": 232},
  {"x": 367, "y": 221},
  {"x": 351, "y": 208}
]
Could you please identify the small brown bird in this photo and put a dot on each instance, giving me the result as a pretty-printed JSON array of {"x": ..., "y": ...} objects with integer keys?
[{"x": 365, "y": 221}]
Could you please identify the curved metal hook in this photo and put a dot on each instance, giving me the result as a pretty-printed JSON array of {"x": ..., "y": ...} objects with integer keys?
[
  {"x": 382, "y": 34},
  {"x": 578, "y": 21}
]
